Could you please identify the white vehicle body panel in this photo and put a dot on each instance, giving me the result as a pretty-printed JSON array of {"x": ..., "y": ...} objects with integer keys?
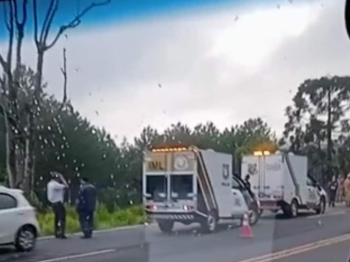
[
  {"x": 12, "y": 219},
  {"x": 280, "y": 177},
  {"x": 212, "y": 185},
  {"x": 219, "y": 168}
]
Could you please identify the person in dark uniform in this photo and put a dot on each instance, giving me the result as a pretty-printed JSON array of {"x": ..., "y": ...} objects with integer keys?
[
  {"x": 246, "y": 180},
  {"x": 86, "y": 207},
  {"x": 333, "y": 187}
]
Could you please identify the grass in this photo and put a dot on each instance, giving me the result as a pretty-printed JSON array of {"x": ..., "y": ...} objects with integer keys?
[{"x": 103, "y": 219}]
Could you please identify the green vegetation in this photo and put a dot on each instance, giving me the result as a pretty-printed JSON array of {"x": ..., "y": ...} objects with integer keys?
[{"x": 104, "y": 219}]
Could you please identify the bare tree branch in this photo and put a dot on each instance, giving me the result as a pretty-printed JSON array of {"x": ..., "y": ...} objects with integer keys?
[
  {"x": 3, "y": 63},
  {"x": 75, "y": 21},
  {"x": 2, "y": 84},
  {"x": 65, "y": 77},
  {"x": 35, "y": 18},
  {"x": 24, "y": 12},
  {"x": 20, "y": 24},
  {"x": 64, "y": 72},
  {"x": 11, "y": 35},
  {"x": 5, "y": 17},
  {"x": 50, "y": 14}
]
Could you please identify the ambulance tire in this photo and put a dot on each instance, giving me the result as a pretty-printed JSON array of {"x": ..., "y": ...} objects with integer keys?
[
  {"x": 209, "y": 224},
  {"x": 261, "y": 211},
  {"x": 254, "y": 216},
  {"x": 292, "y": 210},
  {"x": 166, "y": 226}
]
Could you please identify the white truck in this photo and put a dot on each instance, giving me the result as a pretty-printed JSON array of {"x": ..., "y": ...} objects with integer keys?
[
  {"x": 188, "y": 185},
  {"x": 281, "y": 182}
]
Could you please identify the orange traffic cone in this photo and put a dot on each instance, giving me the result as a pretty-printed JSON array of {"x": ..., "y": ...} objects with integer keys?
[{"x": 246, "y": 230}]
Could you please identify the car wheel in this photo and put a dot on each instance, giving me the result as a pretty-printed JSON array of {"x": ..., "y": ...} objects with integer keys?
[{"x": 25, "y": 239}]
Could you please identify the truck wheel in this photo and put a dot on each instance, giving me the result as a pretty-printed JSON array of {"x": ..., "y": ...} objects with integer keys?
[
  {"x": 321, "y": 209},
  {"x": 293, "y": 209},
  {"x": 209, "y": 224},
  {"x": 253, "y": 217},
  {"x": 166, "y": 226},
  {"x": 261, "y": 211}
]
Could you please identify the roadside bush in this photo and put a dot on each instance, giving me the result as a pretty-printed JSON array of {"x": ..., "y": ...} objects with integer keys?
[{"x": 104, "y": 219}]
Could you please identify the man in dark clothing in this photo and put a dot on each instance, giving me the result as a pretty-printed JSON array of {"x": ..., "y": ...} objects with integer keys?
[
  {"x": 246, "y": 180},
  {"x": 86, "y": 207},
  {"x": 333, "y": 186}
]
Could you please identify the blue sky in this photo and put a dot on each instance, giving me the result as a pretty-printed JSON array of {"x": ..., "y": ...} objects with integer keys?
[
  {"x": 222, "y": 62},
  {"x": 128, "y": 11},
  {"x": 125, "y": 10}
]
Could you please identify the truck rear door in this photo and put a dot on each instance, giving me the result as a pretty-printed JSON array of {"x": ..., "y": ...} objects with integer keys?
[
  {"x": 266, "y": 177},
  {"x": 273, "y": 178}
]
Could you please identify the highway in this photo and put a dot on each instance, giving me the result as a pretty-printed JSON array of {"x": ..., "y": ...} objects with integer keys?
[{"x": 307, "y": 238}]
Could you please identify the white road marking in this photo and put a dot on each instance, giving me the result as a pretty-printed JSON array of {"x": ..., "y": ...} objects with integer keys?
[
  {"x": 337, "y": 213},
  {"x": 298, "y": 250},
  {"x": 83, "y": 255},
  {"x": 98, "y": 231}
]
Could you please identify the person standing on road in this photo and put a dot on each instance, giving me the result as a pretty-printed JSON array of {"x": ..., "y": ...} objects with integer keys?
[
  {"x": 246, "y": 179},
  {"x": 333, "y": 186},
  {"x": 86, "y": 205},
  {"x": 340, "y": 189},
  {"x": 347, "y": 190},
  {"x": 55, "y": 195}
]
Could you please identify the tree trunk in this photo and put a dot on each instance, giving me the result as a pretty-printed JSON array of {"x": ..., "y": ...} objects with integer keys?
[
  {"x": 329, "y": 135},
  {"x": 39, "y": 74},
  {"x": 8, "y": 151},
  {"x": 18, "y": 152},
  {"x": 26, "y": 170}
]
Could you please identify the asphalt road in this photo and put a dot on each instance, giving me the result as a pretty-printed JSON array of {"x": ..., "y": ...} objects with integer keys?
[
  {"x": 333, "y": 253},
  {"x": 271, "y": 236}
]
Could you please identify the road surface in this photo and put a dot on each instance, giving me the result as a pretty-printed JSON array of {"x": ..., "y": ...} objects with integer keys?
[
  {"x": 333, "y": 253},
  {"x": 281, "y": 240}
]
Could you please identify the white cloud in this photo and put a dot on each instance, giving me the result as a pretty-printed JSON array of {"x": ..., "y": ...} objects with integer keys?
[{"x": 211, "y": 66}]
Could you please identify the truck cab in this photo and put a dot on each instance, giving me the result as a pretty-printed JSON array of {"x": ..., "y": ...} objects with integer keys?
[{"x": 188, "y": 185}]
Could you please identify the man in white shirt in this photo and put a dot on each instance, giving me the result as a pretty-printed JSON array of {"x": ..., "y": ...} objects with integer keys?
[{"x": 55, "y": 194}]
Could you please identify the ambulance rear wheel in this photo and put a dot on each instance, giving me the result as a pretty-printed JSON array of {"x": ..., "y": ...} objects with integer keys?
[
  {"x": 292, "y": 210},
  {"x": 253, "y": 216},
  {"x": 166, "y": 226},
  {"x": 209, "y": 224},
  {"x": 321, "y": 209}
]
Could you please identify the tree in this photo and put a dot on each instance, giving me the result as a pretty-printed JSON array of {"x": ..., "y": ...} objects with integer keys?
[
  {"x": 253, "y": 134},
  {"x": 318, "y": 113},
  {"x": 21, "y": 131}
]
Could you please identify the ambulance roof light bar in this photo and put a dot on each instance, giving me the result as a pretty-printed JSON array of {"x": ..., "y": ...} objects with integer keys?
[
  {"x": 261, "y": 153},
  {"x": 170, "y": 149}
]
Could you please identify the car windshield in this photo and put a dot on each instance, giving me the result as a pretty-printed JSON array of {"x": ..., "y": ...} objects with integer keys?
[{"x": 142, "y": 111}]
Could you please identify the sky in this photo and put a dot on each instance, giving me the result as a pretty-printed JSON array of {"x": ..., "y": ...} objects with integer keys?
[{"x": 160, "y": 62}]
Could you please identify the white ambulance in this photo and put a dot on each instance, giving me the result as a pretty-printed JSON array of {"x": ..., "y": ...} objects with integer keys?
[
  {"x": 188, "y": 185},
  {"x": 281, "y": 182}
]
